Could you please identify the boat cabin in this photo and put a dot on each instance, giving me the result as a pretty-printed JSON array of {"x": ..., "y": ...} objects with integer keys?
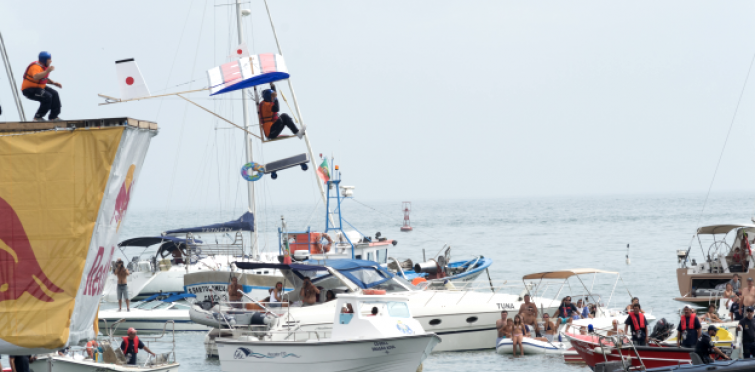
[{"x": 373, "y": 316}]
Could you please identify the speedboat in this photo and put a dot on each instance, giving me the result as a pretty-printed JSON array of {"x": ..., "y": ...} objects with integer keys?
[
  {"x": 704, "y": 282},
  {"x": 379, "y": 335},
  {"x": 533, "y": 346},
  {"x": 464, "y": 320},
  {"x": 149, "y": 315},
  {"x": 437, "y": 273},
  {"x": 741, "y": 365}
]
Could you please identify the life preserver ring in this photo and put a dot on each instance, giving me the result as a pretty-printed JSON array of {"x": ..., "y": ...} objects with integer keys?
[
  {"x": 250, "y": 175},
  {"x": 317, "y": 247},
  {"x": 373, "y": 292}
]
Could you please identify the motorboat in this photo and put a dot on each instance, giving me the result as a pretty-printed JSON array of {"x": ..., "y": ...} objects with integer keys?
[
  {"x": 726, "y": 250},
  {"x": 379, "y": 335},
  {"x": 152, "y": 313},
  {"x": 741, "y": 365},
  {"x": 533, "y": 346},
  {"x": 108, "y": 356},
  {"x": 465, "y": 320},
  {"x": 437, "y": 273}
]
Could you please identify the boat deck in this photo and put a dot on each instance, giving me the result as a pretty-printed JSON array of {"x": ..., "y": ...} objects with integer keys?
[
  {"x": 33, "y": 126},
  {"x": 698, "y": 300}
]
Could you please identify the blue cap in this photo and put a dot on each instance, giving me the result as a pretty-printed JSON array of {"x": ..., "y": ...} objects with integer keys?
[
  {"x": 44, "y": 56},
  {"x": 590, "y": 328}
]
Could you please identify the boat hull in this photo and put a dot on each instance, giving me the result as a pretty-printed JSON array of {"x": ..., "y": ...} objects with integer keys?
[
  {"x": 652, "y": 357},
  {"x": 383, "y": 354},
  {"x": 65, "y": 364}
]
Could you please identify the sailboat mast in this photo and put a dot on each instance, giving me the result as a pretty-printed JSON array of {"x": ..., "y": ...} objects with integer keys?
[{"x": 247, "y": 139}]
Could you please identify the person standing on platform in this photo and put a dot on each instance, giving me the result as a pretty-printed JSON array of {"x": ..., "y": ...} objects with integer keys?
[
  {"x": 122, "y": 290},
  {"x": 689, "y": 329},
  {"x": 34, "y": 87},
  {"x": 639, "y": 324},
  {"x": 747, "y": 327}
]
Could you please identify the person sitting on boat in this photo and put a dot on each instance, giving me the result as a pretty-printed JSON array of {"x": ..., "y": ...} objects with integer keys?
[
  {"x": 711, "y": 315},
  {"x": 639, "y": 324},
  {"x": 234, "y": 296},
  {"x": 276, "y": 295},
  {"x": 736, "y": 308},
  {"x": 563, "y": 314},
  {"x": 728, "y": 292},
  {"x": 330, "y": 295},
  {"x": 735, "y": 283},
  {"x": 131, "y": 345},
  {"x": 501, "y": 327},
  {"x": 177, "y": 256},
  {"x": 271, "y": 123},
  {"x": 519, "y": 330},
  {"x": 614, "y": 331},
  {"x": 348, "y": 309},
  {"x": 548, "y": 329},
  {"x": 705, "y": 347},
  {"x": 528, "y": 311},
  {"x": 584, "y": 311},
  {"x": 689, "y": 329},
  {"x": 308, "y": 292},
  {"x": 630, "y": 307},
  {"x": 747, "y": 326}
]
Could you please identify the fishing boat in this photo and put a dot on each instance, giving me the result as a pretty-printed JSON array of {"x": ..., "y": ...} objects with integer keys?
[
  {"x": 378, "y": 335},
  {"x": 149, "y": 315},
  {"x": 726, "y": 250}
]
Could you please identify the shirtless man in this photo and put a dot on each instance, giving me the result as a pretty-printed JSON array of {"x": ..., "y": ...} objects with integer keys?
[
  {"x": 308, "y": 292},
  {"x": 528, "y": 312},
  {"x": 748, "y": 293},
  {"x": 615, "y": 331},
  {"x": 502, "y": 327},
  {"x": 233, "y": 293},
  {"x": 122, "y": 291},
  {"x": 711, "y": 315}
]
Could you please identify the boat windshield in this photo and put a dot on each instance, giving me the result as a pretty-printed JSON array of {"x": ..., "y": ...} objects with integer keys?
[
  {"x": 398, "y": 310},
  {"x": 151, "y": 305},
  {"x": 395, "y": 284}
]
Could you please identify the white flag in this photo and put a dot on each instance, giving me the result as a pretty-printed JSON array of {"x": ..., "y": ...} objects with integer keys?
[{"x": 240, "y": 52}]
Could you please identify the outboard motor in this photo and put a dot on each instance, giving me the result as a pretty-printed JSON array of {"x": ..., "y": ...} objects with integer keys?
[
  {"x": 662, "y": 330},
  {"x": 261, "y": 323}
]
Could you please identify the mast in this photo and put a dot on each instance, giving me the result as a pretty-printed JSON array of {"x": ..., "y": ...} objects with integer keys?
[
  {"x": 248, "y": 139},
  {"x": 301, "y": 119}
]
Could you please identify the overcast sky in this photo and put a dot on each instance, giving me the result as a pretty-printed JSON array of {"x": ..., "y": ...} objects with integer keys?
[{"x": 422, "y": 99}]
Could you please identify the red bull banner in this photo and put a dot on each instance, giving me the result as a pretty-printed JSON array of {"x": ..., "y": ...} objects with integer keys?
[{"x": 63, "y": 198}]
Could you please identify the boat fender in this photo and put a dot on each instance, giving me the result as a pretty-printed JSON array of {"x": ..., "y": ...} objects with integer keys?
[
  {"x": 247, "y": 174},
  {"x": 374, "y": 291}
]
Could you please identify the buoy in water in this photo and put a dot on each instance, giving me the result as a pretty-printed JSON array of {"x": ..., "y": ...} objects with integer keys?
[{"x": 406, "y": 206}]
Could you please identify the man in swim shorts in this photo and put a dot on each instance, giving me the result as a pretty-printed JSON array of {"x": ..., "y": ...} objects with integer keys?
[
  {"x": 502, "y": 326},
  {"x": 563, "y": 314}
]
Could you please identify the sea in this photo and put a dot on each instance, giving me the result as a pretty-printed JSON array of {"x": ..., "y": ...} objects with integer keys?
[{"x": 521, "y": 235}]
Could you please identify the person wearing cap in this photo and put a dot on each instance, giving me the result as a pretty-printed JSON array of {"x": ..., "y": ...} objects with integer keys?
[
  {"x": 131, "y": 345},
  {"x": 272, "y": 124},
  {"x": 705, "y": 347},
  {"x": 35, "y": 87},
  {"x": 689, "y": 329},
  {"x": 747, "y": 327},
  {"x": 639, "y": 324},
  {"x": 122, "y": 290}
]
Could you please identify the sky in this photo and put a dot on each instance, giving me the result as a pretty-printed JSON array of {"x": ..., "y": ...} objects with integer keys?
[{"x": 424, "y": 99}]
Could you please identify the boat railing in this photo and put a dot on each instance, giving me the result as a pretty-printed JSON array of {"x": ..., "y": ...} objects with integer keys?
[
  {"x": 618, "y": 343},
  {"x": 296, "y": 334}
]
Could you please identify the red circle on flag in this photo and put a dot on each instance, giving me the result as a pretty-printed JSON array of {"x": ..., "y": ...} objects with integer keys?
[
  {"x": 130, "y": 80},
  {"x": 239, "y": 51}
]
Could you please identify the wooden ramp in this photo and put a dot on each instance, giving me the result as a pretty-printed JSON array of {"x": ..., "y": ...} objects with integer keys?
[{"x": 30, "y": 126}]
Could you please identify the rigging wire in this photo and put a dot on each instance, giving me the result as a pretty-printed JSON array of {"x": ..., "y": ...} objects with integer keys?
[{"x": 728, "y": 133}]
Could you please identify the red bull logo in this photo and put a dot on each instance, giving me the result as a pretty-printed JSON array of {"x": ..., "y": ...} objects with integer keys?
[
  {"x": 124, "y": 196},
  {"x": 98, "y": 273},
  {"x": 19, "y": 269}
]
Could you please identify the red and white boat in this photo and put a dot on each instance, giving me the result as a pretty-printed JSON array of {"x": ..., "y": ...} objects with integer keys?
[{"x": 596, "y": 349}]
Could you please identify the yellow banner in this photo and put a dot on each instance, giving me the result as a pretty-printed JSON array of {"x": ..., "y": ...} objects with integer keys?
[{"x": 51, "y": 187}]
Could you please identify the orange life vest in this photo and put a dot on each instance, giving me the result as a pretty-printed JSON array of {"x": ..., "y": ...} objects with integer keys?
[
  {"x": 30, "y": 82},
  {"x": 635, "y": 325},
  {"x": 267, "y": 116},
  {"x": 691, "y": 322},
  {"x": 136, "y": 344}
]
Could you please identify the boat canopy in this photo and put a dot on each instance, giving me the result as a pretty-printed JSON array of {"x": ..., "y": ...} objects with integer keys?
[
  {"x": 243, "y": 223},
  {"x": 365, "y": 274},
  {"x": 722, "y": 229},
  {"x": 146, "y": 241},
  {"x": 565, "y": 274},
  {"x": 247, "y": 72}
]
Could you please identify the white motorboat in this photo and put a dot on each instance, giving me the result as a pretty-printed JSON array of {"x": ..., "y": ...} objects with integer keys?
[
  {"x": 151, "y": 314},
  {"x": 465, "y": 320},
  {"x": 533, "y": 346},
  {"x": 379, "y": 335},
  {"x": 108, "y": 356},
  {"x": 437, "y": 273}
]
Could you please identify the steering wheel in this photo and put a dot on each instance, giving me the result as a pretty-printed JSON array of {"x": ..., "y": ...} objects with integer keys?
[{"x": 717, "y": 245}]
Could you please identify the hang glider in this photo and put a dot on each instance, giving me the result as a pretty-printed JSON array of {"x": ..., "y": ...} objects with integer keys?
[{"x": 255, "y": 70}]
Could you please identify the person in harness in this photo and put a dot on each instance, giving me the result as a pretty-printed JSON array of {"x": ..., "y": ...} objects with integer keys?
[
  {"x": 271, "y": 122},
  {"x": 35, "y": 87},
  {"x": 704, "y": 347},
  {"x": 639, "y": 324},
  {"x": 131, "y": 345},
  {"x": 689, "y": 329}
]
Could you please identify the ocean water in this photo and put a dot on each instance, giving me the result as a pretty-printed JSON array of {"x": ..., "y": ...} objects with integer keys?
[{"x": 522, "y": 236}]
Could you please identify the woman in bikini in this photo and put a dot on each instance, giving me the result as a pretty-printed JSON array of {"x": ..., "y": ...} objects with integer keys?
[
  {"x": 517, "y": 334},
  {"x": 711, "y": 315}
]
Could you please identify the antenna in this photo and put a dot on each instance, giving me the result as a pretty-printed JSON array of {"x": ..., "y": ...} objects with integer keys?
[{"x": 628, "y": 261}]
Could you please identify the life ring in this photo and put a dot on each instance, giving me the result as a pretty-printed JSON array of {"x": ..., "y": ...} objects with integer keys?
[
  {"x": 317, "y": 247},
  {"x": 247, "y": 171},
  {"x": 373, "y": 292},
  {"x": 418, "y": 280}
]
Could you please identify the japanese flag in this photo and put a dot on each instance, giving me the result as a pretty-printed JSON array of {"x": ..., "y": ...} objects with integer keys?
[{"x": 240, "y": 52}]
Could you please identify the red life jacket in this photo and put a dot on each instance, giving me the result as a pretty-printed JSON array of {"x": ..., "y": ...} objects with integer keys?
[
  {"x": 635, "y": 325},
  {"x": 691, "y": 322},
  {"x": 136, "y": 344}
]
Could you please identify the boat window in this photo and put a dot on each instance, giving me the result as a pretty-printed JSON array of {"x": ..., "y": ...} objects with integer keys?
[
  {"x": 369, "y": 256},
  {"x": 367, "y": 275},
  {"x": 395, "y": 284},
  {"x": 313, "y": 274},
  {"x": 148, "y": 305},
  {"x": 377, "y": 256},
  {"x": 398, "y": 310},
  {"x": 163, "y": 305}
]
